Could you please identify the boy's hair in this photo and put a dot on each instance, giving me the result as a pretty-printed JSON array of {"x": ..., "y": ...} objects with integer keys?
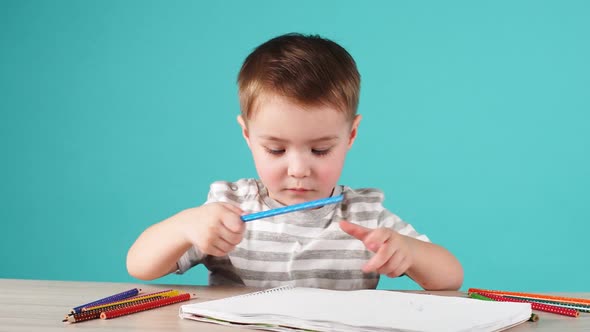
[{"x": 307, "y": 69}]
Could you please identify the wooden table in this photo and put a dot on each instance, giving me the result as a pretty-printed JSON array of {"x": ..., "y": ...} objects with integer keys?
[{"x": 40, "y": 305}]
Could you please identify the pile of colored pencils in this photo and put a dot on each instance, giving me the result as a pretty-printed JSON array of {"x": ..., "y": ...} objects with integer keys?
[
  {"x": 125, "y": 303},
  {"x": 567, "y": 306}
]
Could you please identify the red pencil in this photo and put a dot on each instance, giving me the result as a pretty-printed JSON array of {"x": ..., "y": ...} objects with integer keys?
[
  {"x": 534, "y": 305},
  {"x": 145, "y": 306}
]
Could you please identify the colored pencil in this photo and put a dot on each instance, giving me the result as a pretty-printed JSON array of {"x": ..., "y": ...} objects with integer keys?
[
  {"x": 534, "y": 305},
  {"x": 292, "y": 208},
  {"x": 145, "y": 306},
  {"x": 81, "y": 316},
  {"x": 534, "y": 296},
  {"x": 166, "y": 293},
  {"x": 571, "y": 305},
  {"x": 479, "y": 297},
  {"x": 115, "y": 297},
  {"x": 95, "y": 313}
]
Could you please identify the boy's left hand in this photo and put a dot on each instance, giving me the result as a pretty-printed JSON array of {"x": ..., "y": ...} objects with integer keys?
[{"x": 393, "y": 256}]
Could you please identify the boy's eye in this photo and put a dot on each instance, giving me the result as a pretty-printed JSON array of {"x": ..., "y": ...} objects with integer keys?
[
  {"x": 275, "y": 152},
  {"x": 320, "y": 152}
]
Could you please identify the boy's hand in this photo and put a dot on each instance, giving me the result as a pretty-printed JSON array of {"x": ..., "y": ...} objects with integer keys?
[
  {"x": 393, "y": 256},
  {"x": 215, "y": 228}
]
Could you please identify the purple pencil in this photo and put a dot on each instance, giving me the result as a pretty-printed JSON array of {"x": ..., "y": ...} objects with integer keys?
[{"x": 112, "y": 298}]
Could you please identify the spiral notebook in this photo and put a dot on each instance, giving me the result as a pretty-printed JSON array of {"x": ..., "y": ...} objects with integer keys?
[{"x": 298, "y": 308}]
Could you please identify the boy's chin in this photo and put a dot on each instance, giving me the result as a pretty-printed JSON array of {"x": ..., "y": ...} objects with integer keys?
[
  {"x": 290, "y": 198},
  {"x": 294, "y": 200}
]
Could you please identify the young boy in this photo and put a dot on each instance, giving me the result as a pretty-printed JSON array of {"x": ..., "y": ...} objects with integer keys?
[{"x": 298, "y": 99}]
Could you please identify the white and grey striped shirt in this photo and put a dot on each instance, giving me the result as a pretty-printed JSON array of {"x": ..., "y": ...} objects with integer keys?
[{"x": 305, "y": 249}]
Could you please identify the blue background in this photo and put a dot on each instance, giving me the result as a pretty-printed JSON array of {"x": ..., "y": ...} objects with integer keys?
[{"x": 118, "y": 114}]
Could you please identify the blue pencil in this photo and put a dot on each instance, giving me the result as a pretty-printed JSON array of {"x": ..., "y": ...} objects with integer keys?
[
  {"x": 293, "y": 208},
  {"x": 112, "y": 298}
]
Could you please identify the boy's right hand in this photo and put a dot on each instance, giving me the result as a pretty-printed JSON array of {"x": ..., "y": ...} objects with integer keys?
[{"x": 215, "y": 228}]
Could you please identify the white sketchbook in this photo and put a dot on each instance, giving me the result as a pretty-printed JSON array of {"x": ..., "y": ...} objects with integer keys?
[{"x": 296, "y": 308}]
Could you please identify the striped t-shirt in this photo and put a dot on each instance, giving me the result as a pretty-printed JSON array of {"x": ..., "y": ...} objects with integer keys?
[{"x": 305, "y": 248}]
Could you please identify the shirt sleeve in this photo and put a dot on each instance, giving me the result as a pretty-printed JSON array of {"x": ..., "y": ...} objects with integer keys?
[
  {"x": 390, "y": 220},
  {"x": 190, "y": 258}
]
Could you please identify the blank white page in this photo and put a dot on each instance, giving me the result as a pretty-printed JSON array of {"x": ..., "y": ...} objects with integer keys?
[{"x": 369, "y": 308}]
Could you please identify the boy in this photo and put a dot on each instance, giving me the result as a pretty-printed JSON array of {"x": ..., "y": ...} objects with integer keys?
[{"x": 298, "y": 99}]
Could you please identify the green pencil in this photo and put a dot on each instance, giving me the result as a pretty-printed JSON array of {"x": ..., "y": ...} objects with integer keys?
[{"x": 479, "y": 297}]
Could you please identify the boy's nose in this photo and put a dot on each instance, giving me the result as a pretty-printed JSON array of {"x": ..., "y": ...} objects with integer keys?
[{"x": 298, "y": 167}]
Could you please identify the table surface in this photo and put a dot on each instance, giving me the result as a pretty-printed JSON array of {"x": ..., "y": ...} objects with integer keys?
[{"x": 33, "y": 305}]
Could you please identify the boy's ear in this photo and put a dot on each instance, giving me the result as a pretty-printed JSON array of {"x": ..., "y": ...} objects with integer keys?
[
  {"x": 354, "y": 129},
  {"x": 245, "y": 133}
]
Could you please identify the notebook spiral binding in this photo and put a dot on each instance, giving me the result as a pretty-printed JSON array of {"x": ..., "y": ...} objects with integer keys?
[{"x": 266, "y": 291}]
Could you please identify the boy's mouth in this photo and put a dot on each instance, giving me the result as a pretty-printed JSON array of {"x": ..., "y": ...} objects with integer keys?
[{"x": 298, "y": 190}]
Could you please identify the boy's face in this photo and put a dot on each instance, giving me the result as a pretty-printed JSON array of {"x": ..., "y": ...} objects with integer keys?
[{"x": 299, "y": 151}]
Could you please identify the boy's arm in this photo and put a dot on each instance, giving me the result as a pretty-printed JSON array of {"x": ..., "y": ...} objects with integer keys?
[
  {"x": 430, "y": 265},
  {"x": 434, "y": 267},
  {"x": 214, "y": 228},
  {"x": 156, "y": 251}
]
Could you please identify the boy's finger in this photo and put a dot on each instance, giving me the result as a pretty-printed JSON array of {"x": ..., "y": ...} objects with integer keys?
[
  {"x": 232, "y": 208},
  {"x": 375, "y": 239},
  {"x": 223, "y": 246},
  {"x": 214, "y": 251},
  {"x": 230, "y": 237},
  {"x": 400, "y": 270},
  {"x": 381, "y": 258},
  {"x": 392, "y": 265},
  {"x": 233, "y": 222},
  {"x": 354, "y": 230}
]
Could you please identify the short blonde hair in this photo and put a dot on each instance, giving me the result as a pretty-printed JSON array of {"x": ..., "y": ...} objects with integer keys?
[{"x": 307, "y": 69}]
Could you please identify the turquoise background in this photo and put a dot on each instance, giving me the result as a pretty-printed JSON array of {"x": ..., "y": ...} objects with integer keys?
[{"x": 118, "y": 114}]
